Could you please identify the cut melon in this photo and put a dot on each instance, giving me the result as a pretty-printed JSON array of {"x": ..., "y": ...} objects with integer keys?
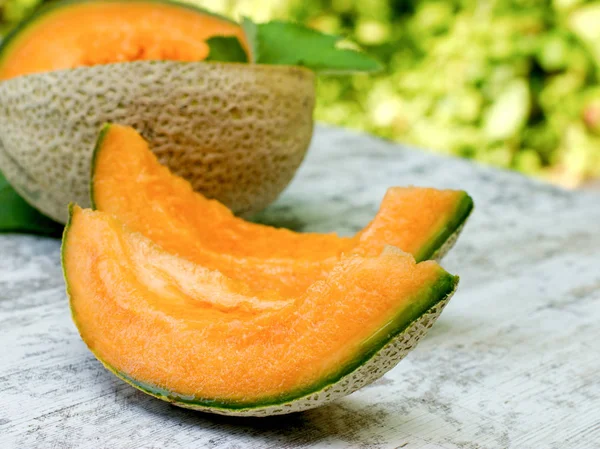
[
  {"x": 70, "y": 34},
  {"x": 129, "y": 182},
  {"x": 194, "y": 337},
  {"x": 237, "y": 132}
]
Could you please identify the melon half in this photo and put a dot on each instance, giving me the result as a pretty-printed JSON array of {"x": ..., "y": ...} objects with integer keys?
[{"x": 237, "y": 132}]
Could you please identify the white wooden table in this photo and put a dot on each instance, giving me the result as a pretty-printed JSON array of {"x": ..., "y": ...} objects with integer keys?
[{"x": 514, "y": 361}]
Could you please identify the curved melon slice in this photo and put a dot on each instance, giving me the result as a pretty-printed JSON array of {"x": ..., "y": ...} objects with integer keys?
[
  {"x": 72, "y": 34},
  {"x": 194, "y": 337},
  {"x": 128, "y": 182}
]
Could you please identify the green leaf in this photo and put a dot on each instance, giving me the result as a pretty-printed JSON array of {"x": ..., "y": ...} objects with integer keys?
[
  {"x": 286, "y": 43},
  {"x": 251, "y": 32},
  {"x": 16, "y": 215},
  {"x": 293, "y": 44},
  {"x": 226, "y": 49}
]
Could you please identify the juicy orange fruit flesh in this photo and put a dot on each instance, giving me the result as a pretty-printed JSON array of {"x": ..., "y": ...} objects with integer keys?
[
  {"x": 86, "y": 34},
  {"x": 131, "y": 184},
  {"x": 165, "y": 321}
]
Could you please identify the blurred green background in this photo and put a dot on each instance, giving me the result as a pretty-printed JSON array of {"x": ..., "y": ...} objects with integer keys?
[{"x": 512, "y": 83}]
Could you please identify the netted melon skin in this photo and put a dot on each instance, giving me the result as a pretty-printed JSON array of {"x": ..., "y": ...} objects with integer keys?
[
  {"x": 447, "y": 245},
  {"x": 237, "y": 132},
  {"x": 374, "y": 368}
]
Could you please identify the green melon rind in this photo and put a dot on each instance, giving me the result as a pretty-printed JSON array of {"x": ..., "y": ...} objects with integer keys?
[
  {"x": 383, "y": 360},
  {"x": 101, "y": 136},
  {"x": 54, "y": 6},
  {"x": 397, "y": 338},
  {"x": 62, "y": 259},
  {"x": 447, "y": 245},
  {"x": 439, "y": 245},
  {"x": 443, "y": 289}
]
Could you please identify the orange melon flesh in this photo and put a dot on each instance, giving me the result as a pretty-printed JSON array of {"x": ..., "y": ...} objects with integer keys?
[
  {"x": 131, "y": 184},
  {"x": 176, "y": 327},
  {"x": 99, "y": 32}
]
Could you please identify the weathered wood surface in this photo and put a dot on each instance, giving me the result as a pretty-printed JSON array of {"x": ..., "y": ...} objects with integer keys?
[{"x": 514, "y": 361}]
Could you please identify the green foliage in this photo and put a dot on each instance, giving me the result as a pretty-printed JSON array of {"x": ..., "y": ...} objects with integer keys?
[
  {"x": 18, "y": 216},
  {"x": 286, "y": 43},
  {"x": 12, "y": 11},
  {"x": 512, "y": 83},
  {"x": 226, "y": 49}
]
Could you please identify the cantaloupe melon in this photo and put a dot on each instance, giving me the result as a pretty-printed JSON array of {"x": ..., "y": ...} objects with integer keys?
[
  {"x": 237, "y": 132},
  {"x": 130, "y": 183},
  {"x": 194, "y": 337},
  {"x": 69, "y": 34}
]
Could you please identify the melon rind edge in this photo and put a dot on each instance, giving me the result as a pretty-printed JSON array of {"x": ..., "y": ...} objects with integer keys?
[{"x": 374, "y": 368}]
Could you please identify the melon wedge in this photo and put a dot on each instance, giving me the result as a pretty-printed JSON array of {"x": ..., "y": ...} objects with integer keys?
[
  {"x": 194, "y": 337},
  {"x": 69, "y": 34},
  {"x": 130, "y": 183}
]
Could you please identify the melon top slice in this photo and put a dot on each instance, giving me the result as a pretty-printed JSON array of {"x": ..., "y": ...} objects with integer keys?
[
  {"x": 129, "y": 182},
  {"x": 197, "y": 338},
  {"x": 82, "y": 33}
]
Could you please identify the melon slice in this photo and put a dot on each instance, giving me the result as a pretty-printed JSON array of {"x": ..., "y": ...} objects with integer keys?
[
  {"x": 72, "y": 34},
  {"x": 129, "y": 182},
  {"x": 194, "y": 337}
]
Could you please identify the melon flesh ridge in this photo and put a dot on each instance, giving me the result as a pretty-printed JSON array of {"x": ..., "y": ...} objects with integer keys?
[
  {"x": 405, "y": 219},
  {"x": 165, "y": 208}
]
